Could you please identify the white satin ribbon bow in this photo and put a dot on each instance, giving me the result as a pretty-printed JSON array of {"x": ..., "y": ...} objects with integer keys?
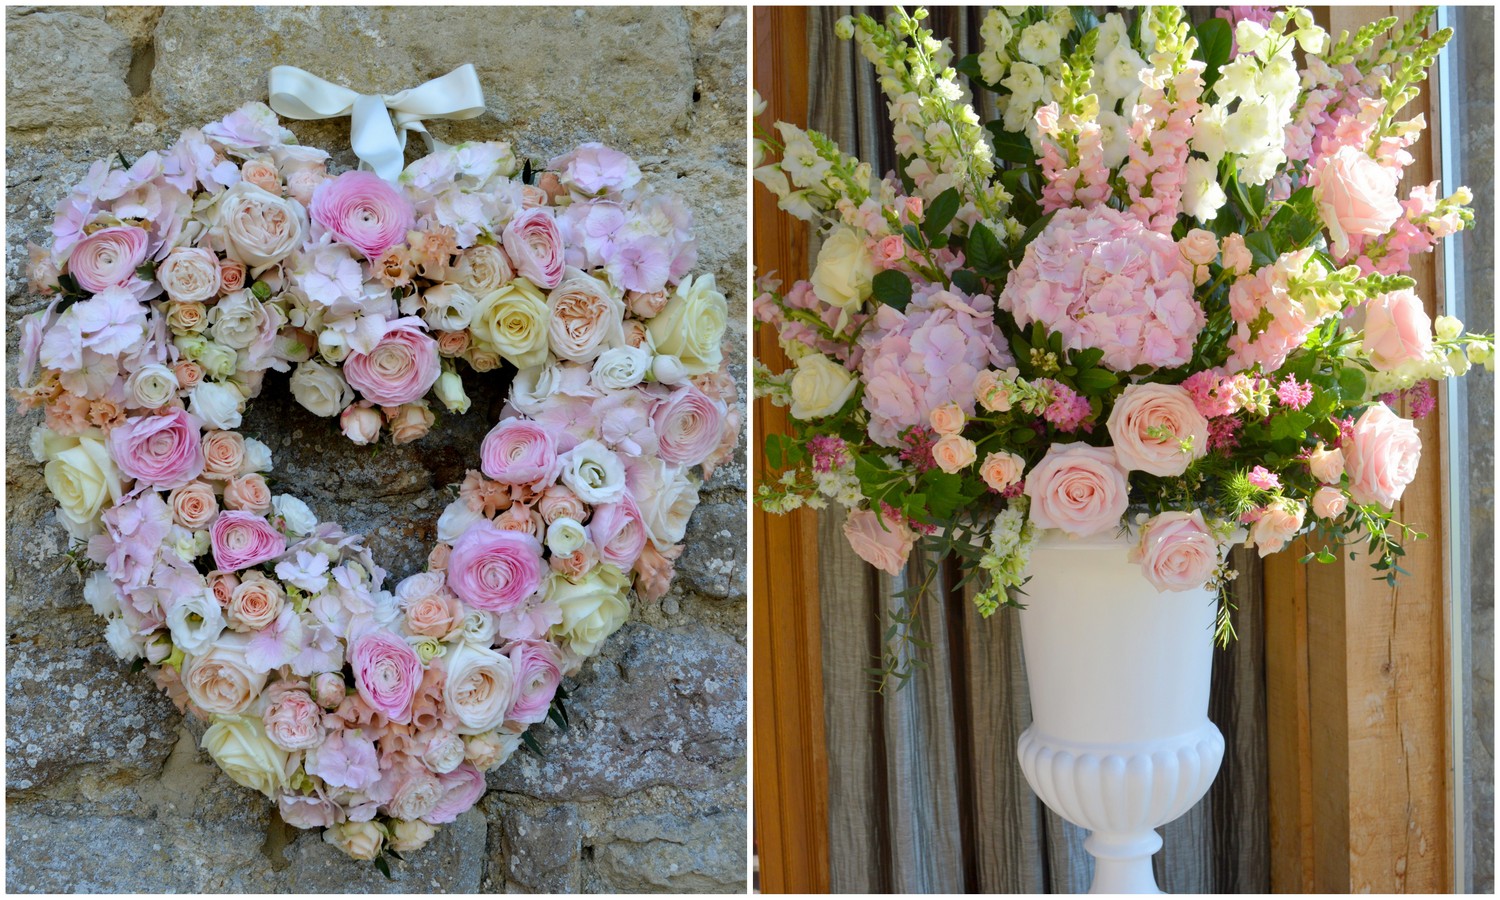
[{"x": 379, "y": 142}]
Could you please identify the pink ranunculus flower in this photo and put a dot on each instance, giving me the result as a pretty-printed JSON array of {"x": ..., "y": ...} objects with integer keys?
[
  {"x": 1397, "y": 330},
  {"x": 619, "y": 531},
  {"x": 363, "y": 211},
  {"x": 463, "y": 787},
  {"x": 1329, "y": 502},
  {"x": 520, "y": 452},
  {"x": 689, "y": 427},
  {"x": 1382, "y": 457},
  {"x": 537, "y": 675},
  {"x": 879, "y": 541},
  {"x": 1144, "y": 410},
  {"x": 164, "y": 451},
  {"x": 1356, "y": 196},
  {"x": 108, "y": 257},
  {"x": 493, "y": 569},
  {"x": 387, "y": 673},
  {"x": 535, "y": 247},
  {"x": 244, "y": 539},
  {"x": 1177, "y": 552},
  {"x": 402, "y": 368},
  {"x": 1078, "y": 489}
]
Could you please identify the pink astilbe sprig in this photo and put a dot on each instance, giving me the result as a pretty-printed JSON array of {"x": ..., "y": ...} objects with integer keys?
[
  {"x": 829, "y": 452},
  {"x": 1294, "y": 395},
  {"x": 916, "y": 450}
]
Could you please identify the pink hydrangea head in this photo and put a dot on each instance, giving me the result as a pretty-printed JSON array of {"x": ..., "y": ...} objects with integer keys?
[
  {"x": 242, "y": 539},
  {"x": 387, "y": 673},
  {"x": 494, "y": 569},
  {"x": 402, "y": 367},
  {"x": 363, "y": 211},
  {"x": 520, "y": 452},
  {"x": 594, "y": 169},
  {"x": 163, "y": 451}
]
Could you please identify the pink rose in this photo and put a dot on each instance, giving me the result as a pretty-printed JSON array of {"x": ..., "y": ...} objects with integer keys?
[
  {"x": 331, "y": 689},
  {"x": 1278, "y": 523},
  {"x": 889, "y": 252},
  {"x": 1140, "y": 418},
  {"x": 387, "y": 673},
  {"x": 222, "y": 585},
  {"x": 520, "y": 452},
  {"x": 1329, "y": 502},
  {"x": 689, "y": 427},
  {"x": 1079, "y": 489},
  {"x": 231, "y": 275},
  {"x": 363, "y": 211},
  {"x": 1397, "y": 330},
  {"x": 402, "y": 367},
  {"x": 463, "y": 787},
  {"x": 1382, "y": 457},
  {"x": 223, "y": 454},
  {"x": 879, "y": 541},
  {"x": 1176, "y": 551},
  {"x": 293, "y": 721},
  {"x": 249, "y": 493},
  {"x": 361, "y": 423},
  {"x": 647, "y": 305},
  {"x": 494, "y": 570},
  {"x": 557, "y": 501},
  {"x": 947, "y": 419},
  {"x": 108, "y": 257},
  {"x": 535, "y": 247},
  {"x": 1199, "y": 247},
  {"x": 256, "y": 603},
  {"x": 1001, "y": 470},
  {"x": 188, "y": 373},
  {"x": 242, "y": 539},
  {"x": 1356, "y": 196},
  {"x": 953, "y": 453},
  {"x": 193, "y": 505},
  {"x": 430, "y": 610},
  {"x": 537, "y": 675},
  {"x": 1326, "y": 465},
  {"x": 189, "y": 274},
  {"x": 583, "y": 319},
  {"x": 619, "y": 532},
  {"x": 162, "y": 451}
]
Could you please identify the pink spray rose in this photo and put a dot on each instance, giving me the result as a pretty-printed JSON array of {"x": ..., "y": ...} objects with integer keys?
[
  {"x": 1329, "y": 502},
  {"x": 1078, "y": 488},
  {"x": 387, "y": 673},
  {"x": 520, "y": 452},
  {"x": 1326, "y": 465},
  {"x": 164, "y": 451},
  {"x": 493, "y": 569},
  {"x": 1146, "y": 410},
  {"x": 619, "y": 532},
  {"x": 535, "y": 247},
  {"x": 1001, "y": 470},
  {"x": 537, "y": 675},
  {"x": 293, "y": 720},
  {"x": 1356, "y": 196},
  {"x": 108, "y": 257},
  {"x": 363, "y": 211},
  {"x": 402, "y": 367},
  {"x": 689, "y": 427},
  {"x": 1176, "y": 551},
  {"x": 361, "y": 423},
  {"x": 243, "y": 539},
  {"x": 463, "y": 786},
  {"x": 1278, "y": 523},
  {"x": 882, "y": 543},
  {"x": 1397, "y": 330},
  {"x": 1382, "y": 457}
]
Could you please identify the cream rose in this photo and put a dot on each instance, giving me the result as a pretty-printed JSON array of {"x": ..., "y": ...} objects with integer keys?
[
  {"x": 189, "y": 274},
  {"x": 583, "y": 318},
  {"x": 259, "y": 228},
  {"x": 479, "y": 689},
  {"x": 820, "y": 387},
  {"x": 1150, "y": 424},
  {"x": 249, "y": 493},
  {"x": 513, "y": 323},
  {"x": 241, "y": 748},
  {"x": 845, "y": 269},
  {"x": 1177, "y": 552},
  {"x": 1278, "y": 523},
  {"x": 321, "y": 389},
  {"x": 358, "y": 840},
  {"x": 193, "y": 505},
  {"x": 1326, "y": 465},
  {"x": 255, "y": 603},
  {"x": 691, "y": 326},
  {"x": 83, "y": 479},
  {"x": 482, "y": 269},
  {"x": 593, "y": 608},
  {"x": 221, "y": 681},
  {"x": 1329, "y": 502}
]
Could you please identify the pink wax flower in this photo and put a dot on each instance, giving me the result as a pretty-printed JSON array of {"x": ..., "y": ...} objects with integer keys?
[
  {"x": 108, "y": 257},
  {"x": 882, "y": 541},
  {"x": 243, "y": 539},
  {"x": 1381, "y": 457},
  {"x": 493, "y": 569},
  {"x": 535, "y": 247},
  {"x": 537, "y": 675},
  {"x": 1293, "y": 395},
  {"x": 462, "y": 789},
  {"x": 363, "y": 211},
  {"x": 689, "y": 427},
  {"x": 1079, "y": 489},
  {"x": 387, "y": 673},
  {"x": 520, "y": 452},
  {"x": 164, "y": 451},
  {"x": 401, "y": 368},
  {"x": 619, "y": 532}
]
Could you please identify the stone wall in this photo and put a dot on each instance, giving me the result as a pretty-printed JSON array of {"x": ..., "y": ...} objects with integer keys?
[{"x": 105, "y": 789}]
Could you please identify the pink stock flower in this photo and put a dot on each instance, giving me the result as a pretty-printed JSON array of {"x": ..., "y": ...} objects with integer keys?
[
  {"x": 401, "y": 368},
  {"x": 493, "y": 569},
  {"x": 883, "y": 542},
  {"x": 689, "y": 427},
  {"x": 163, "y": 451},
  {"x": 363, "y": 211},
  {"x": 537, "y": 676},
  {"x": 108, "y": 257},
  {"x": 243, "y": 539},
  {"x": 1381, "y": 457},
  {"x": 520, "y": 452},
  {"x": 535, "y": 247},
  {"x": 1078, "y": 489},
  {"x": 387, "y": 673},
  {"x": 619, "y": 532}
]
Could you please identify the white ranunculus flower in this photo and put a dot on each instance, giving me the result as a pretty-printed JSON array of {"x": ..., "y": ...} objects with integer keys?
[
  {"x": 594, "y": 472},
  {"x": 258, "y": 227},
  {"x": 196, "y": 621},
  {"x": 691, "y": 326},
  {"x": 482, "y": 269},
  {"x": 102, "y": 595},
  {"x": 122, "y": 640},
  {"x": 151, "y": 387},
  {"x": 82, "y": 478},
  {"x": 241, "y": 748},
  {"x": 455, "y": 520},
  {"x": 593, "y": 608},
  {"x": 321, "y": 388},
  {"x": 238, "y": 320},
  {"x": 820, "y": 387},
  {"x": 619, "y": 368},
  {"x": 845, "y": 271},
  {"x": 448, "y": 307},
  {"x": 479, "y": 689},
  {"x": 297, "y": 515},
  {"x": 257, "y": 457},
  {"x": 450, "y": 392},
  {"x": 444, "y": 754},
  {"x": 513, "y": 323},
  {"x": 217, "y": 403},
  {"x": 533, "y": 387},
  {"x": 565, "y": 535}
]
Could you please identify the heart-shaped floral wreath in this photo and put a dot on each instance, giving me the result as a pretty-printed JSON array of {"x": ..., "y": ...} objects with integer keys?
[{"x": 180, "y": 278}]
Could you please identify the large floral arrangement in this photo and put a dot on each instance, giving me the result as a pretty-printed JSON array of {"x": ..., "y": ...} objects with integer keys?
[
  {"x": 1164, "y": 292},
  {"x": 179, "y": 279}
]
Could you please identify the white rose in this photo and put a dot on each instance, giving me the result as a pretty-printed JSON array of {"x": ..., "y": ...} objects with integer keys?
[
  {"x": 448, "y": 307},
  {"x": 479, "y": 627},
  {"x": 486, "y": 751},
  {"x": 122, "y": 640},
  {"x": 593, "y": 609},
  {"x": 358, "y": 840},
  {"x": 691, "y": 326},
  {"x": 668, "y": 504},
  {"x": 189, "y": 274},
  {"x": 241, "y": 748},
  {"x": 479, "y": 689},
  {"x": 257, "y": 457},
  {"x": 513, "y": 323},
  {"x": 218, "y": 361},
  {"x": 619, "y": 368},
  {"x": 217, "y": 403},
  {"x": 534, "y": 386},
  {"x": 238, "y": 320},
  {"x": 668, "y": 369},
  {"x": 82, "y": 478},
  {"x": 321, "y": 389},
  {"x": 482, "y": 269},
  {"x": 845, "y": 271},
  {"x": 195, "y": 621},
  {"x": 221, "y": 681},
  {"x": 565, "y": 535},
  {"x": 297, "y": 515},
  {"x": 444, "y": 753},
  {"x": 820, "y": 387},
  {"x": 151, "y": 387},
  {"x": 455, "y": 520},
  {"x": 594, "y": 472},
  {"x": 102, "y": 594},
  {"x": 259, "y": 228},
  {"x": 450, "y": 391}
]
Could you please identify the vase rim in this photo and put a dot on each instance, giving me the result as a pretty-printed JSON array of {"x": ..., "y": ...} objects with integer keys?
[{"x": 1123, "y": 536}]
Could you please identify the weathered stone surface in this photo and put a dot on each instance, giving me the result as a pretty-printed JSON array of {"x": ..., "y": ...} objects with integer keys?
[
  {"x": 65, "y": 62},
  {"x": 667, "y": 852},
  {"x": 534, "y": 851},
  {"x": 714, "y": 565}
]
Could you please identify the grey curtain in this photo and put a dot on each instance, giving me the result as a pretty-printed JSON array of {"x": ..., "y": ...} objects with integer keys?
[{"x": 925, "y": 793}]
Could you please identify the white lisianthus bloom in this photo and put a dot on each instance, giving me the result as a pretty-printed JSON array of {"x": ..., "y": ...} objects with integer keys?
[
  {"x": 333, "y": 345},
  {"x": 1040, "y": 44},
  {"x": 565, "y": 535},
  {"x": 321, "y": 389},
  {"x": 102, "y": 594},
  {"x": 298, "y": 517},
  {"x": 668, "y": 369},
  {"x": 455, "y": 520},
  {"x": 217, "y": 403},
  {"x": 150, "y": 387},
  {"x": 619, "y": 368},
  {"x": 448, "y": 307},
  {"x": 534, "y": 386},
  {"x": 1202, "y": 196},
  {"x": 594, "y": 472},
  {"x": 195, "y": 622}
]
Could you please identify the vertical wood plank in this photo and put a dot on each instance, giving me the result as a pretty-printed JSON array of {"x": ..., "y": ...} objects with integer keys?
[{"x": 791, "y": 813}]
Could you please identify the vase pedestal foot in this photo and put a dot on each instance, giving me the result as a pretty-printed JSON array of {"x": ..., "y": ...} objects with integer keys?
[{"x": 1122, "y": 862}]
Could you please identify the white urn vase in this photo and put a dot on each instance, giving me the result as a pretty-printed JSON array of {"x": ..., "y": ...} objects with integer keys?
[{"x": 1120, "y": 742}]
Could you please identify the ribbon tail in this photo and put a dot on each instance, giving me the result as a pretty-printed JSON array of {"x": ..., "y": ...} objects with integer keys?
[
  {"x": 374, "y": 138},
  {"x": 297, "y": 94}
]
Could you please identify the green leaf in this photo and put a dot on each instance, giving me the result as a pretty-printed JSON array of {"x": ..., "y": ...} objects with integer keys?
[
  {"x": 1215, "y": 41},
  {"x": 892, "y": 288},
  {"x": 1290, "y": 424},
  {"x": 968, "y": 282},
  {"x": 940, "y": 213},
  {"x": 984, "y": 252},
  {"x": 775, "y": 453},
  {"x": 1094, "y": 382},
  {"x": 1262, "y": 248},
  {"x": 1352, "y": 384},
  {"x": 944, "y": 493},
  {"x": 531, "y": 744},
  {"x": 1088, "y": 357},
  {"x": 1010, "y": 146},
  {"x": 146, "y": 270},
  {"x": 383, "y": 867}
]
